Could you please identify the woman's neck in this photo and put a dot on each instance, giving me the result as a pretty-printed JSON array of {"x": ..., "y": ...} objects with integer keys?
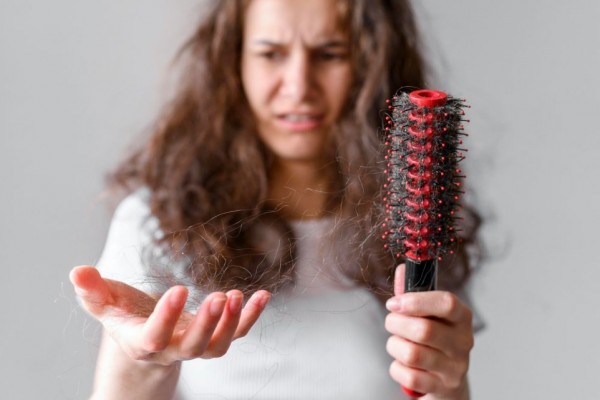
[{"x": 300, "y": 190}]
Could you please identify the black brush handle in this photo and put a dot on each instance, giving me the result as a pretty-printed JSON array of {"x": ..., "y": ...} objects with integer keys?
[{"x": 420, "y": 276}]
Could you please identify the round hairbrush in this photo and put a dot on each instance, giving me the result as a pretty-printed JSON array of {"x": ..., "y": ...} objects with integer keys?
[{"x": 423, "y": 187}]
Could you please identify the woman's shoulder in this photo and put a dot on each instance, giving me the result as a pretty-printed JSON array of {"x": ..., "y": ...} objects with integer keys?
[
  {"x": 136, "y": 205},
  {"x": 133, "y": 230},
  {"x": 133, "y": 218}
]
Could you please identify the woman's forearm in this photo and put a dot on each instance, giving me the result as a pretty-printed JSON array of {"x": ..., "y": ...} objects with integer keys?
[{"x": 119, "y": 377}]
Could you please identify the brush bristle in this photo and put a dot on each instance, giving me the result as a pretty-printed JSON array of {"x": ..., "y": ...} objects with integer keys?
[{"x": 423, "y": 178}]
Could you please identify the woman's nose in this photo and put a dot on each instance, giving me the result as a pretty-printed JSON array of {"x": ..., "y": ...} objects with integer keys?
[{"x": 298, "y": 80}]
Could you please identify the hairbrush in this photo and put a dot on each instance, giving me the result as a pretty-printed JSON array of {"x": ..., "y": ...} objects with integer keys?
[{"x": 423, "y": 187}]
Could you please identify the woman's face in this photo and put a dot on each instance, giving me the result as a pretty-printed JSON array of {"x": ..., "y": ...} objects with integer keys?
[{"x": 296, "y": 74}]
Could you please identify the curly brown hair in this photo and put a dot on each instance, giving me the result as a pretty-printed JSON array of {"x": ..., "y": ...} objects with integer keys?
[{"x": 204, "y": 145}]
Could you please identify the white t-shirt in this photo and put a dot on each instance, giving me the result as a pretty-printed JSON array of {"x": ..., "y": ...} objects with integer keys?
[{"x": 320, "y": 339}]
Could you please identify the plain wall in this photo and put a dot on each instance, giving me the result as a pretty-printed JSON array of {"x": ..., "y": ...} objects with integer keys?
[{"x": 79, "y": 80}]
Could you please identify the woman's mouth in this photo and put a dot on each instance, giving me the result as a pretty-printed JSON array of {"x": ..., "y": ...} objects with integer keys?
[{"x": 299, "y": 122}]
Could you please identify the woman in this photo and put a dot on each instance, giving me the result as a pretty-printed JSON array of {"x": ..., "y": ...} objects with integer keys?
[{"x": 262, "y": 178}]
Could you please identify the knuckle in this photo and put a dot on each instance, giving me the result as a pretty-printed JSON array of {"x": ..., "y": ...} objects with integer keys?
[
  {"x": 462, "y": 368},
  {"x": 456, "y": 379},
  {"x": 450, "y": 303},
  {"x": 190, "y": 353},
  {"x": 469, "y": 342},
  {"x": 390, "y": 322},
  {"x": 423, "y": 331},
  {"x": 410, "y": 379},
  {"x": 394, "y": 371},
  {"x": 391, "y": 345},
  {"x": 453, "y": 382},
  {"x": 218, "y": 351},
  {"x": 153, "y": 346},
  {"x": 412, "y": 356},
  {"x": 409, "y": 302}
]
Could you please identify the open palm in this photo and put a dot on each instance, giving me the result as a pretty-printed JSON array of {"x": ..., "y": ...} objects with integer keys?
[{"x": 158, "y": 329}]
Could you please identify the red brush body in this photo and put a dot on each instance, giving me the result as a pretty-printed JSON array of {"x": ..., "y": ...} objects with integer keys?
[{"x": 424, "y": 138}]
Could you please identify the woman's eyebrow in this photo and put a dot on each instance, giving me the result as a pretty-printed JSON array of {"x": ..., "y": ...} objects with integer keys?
[
  {"x": 323, "y": 45},
  {"x": 266, "y": 42},
  {"x": 332, "y": 43}
]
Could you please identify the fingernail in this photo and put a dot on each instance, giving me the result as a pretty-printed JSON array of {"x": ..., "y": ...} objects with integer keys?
[
  {"x": 216, "y": 306},
  {"x": 393, "y": 304},
  {"x": 174, "y": 300},
  {"x": 235, "y": 303},
  {"x": 262, "y": 301}
]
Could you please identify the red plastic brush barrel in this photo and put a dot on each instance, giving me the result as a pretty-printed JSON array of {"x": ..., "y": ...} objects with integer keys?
[
  {"x": 421, "y": 269},
  {"x": 428, "y": 98},
  {"x": 418, "y": 181}
]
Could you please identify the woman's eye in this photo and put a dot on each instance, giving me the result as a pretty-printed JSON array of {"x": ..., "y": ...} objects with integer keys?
[
  {"x": 332, "y": 56},
  {"x": 271, "y": 55}
]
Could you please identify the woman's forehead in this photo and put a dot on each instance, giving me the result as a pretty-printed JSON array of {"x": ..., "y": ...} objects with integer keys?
[{"x": 284, "y": 21}]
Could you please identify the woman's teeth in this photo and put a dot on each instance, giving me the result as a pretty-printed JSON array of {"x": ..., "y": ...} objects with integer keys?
[{"x": 298, "y": 118}]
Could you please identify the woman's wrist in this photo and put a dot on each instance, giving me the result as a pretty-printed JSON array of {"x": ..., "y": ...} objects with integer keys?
[
  {"x": 143, "y": 379},
  {"x": 118, "y": 376},
  {"x": 462, "y": 393}
]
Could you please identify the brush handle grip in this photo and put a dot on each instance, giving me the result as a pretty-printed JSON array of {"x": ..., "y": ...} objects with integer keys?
[{"x": 419, "y": 276}]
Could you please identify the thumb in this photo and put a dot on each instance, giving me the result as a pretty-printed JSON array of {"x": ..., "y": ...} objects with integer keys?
[
  {"x": 91, "y": 288},
  {"x": 399, "y": 279}
]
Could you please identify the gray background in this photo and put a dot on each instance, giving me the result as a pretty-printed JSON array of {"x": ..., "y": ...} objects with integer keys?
[{"x": 80, "y": 79}]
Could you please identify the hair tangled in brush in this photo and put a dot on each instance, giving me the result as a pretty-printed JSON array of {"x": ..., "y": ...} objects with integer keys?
[
  {"x": 424, "y": 182},
  {"x": 204, "y": 144}
]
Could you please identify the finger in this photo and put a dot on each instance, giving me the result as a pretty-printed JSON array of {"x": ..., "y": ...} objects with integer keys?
[
  {"x": 428, "y": 332},
  {"x": 437, "y": 304},
  {"x": 251, "y": 312},
  {"x": 225, "y": 330},
  {"x": 442, "y": 374},
  {"x": 414, "y": 379},
  {"x": 158, "y": 329},
  {"x": 91, "y": 288},
  {"x": 198, "y": 334},
  {"x": 414, "y": 355},
  {"x": 399, "y": 279}
]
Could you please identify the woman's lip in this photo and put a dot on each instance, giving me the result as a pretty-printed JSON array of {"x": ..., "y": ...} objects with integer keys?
[{"x": 299, "y": 122}]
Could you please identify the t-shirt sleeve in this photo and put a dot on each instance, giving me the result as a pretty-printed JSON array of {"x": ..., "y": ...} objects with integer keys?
[{"x": 131, "y": 233}]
